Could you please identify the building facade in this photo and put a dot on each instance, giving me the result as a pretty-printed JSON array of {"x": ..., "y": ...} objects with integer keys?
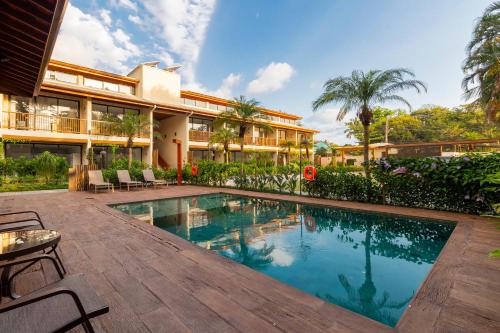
[{"x": 69, "y": 117}]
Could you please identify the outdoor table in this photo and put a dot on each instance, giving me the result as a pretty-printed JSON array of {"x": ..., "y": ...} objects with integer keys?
[{"x": 21, "y": 243}]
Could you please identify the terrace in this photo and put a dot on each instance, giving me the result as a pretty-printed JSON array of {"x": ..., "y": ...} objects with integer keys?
[{"x": 155, "y": 281}]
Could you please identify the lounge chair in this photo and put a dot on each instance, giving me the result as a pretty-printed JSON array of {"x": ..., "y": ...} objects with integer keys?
[
  {"x": 124, "y": 178},
  {"x": 149, "y": 178},
  {"x": 57, "y": 307},
  {"x": 28, "y": 222},
  {"x": 97, "y": 181}
]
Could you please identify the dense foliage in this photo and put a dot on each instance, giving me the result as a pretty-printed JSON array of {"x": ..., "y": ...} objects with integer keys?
[
  {"x": 427, "y": 124},
  {"x": 46, "y": 171}
]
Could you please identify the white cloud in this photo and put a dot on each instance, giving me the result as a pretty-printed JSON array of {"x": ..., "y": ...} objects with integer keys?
[
  {"x": 182, "y": 24},
  {"x": 226, "y": 88},
  {"x": 128, "y": 4},
  {"x": 325, "y": 121},
  {"x": 105, "y": 16},
  {"x": 135, "y": 19},
  {"x": 85, "y": 40},
  {"x": 271, "y": 78}
]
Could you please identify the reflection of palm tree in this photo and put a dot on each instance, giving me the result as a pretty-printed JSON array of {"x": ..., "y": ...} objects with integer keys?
[{"x": 363, "y": 300}]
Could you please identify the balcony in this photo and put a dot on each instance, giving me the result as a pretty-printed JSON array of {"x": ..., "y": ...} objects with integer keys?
[
  {"x": 199, "y": 136},
  {"x": 38, "y": 122},
  {"x": 107, "y": 128}
]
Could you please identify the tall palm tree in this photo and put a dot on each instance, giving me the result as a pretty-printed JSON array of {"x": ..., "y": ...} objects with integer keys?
[
  {"x": 130, "y": 125},
  {"x": 243, "y": 113},
  {"x": 482, "y": 66},
  {"x": 361, "y": 91},
  {"x": 288, "y": 145},
  {"x": 223, "y": 136}
]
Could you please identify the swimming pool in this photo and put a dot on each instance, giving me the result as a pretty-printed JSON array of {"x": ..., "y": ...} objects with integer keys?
[{"x": 369, "y": 263}]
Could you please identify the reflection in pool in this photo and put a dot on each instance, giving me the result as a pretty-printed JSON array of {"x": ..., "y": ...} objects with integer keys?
[{"x": 369, "y": 263}]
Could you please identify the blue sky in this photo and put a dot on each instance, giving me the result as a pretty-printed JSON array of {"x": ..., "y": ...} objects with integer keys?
[{"x": 278, "y": 52}]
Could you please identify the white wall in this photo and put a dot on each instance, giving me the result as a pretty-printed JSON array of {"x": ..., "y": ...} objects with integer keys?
[
  {"x": 157, "y": 84},
  {"x": 175, "y": 127}
]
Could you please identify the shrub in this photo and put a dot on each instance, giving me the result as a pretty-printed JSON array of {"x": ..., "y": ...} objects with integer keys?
[
  {"x": 46, "y": 165},
  {"x": 467, "y": 184}
]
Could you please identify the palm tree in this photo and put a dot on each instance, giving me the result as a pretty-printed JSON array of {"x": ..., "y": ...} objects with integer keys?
[
  {"x": 243, "y": 113},
  {"x": 288, "y": 145},
  {"x": 130, "y": 125},
  {"x": 361, "y": 91},
  {"x": 482, "y": 66},
  {"x": 223, "y": 136}
]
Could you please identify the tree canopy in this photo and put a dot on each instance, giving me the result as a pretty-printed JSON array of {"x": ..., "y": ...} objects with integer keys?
[{"x": 427, "y": 124}]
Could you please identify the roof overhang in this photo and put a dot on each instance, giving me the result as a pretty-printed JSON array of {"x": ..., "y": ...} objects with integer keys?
[{"x": 28, "y": 32}]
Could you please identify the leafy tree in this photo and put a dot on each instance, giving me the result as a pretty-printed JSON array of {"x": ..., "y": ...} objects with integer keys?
[
  {"x": 223, "y": 136},
  {"x": 46, "y": 165},
  {"x": 288, "y": 145},
  {"x": 361, "y": 91},
  {"x": 427, "y": 124},
  {"x": 130, "y": 125},
  {"x": 482, "y": 66},
  {"x": 243, "y": 113}
]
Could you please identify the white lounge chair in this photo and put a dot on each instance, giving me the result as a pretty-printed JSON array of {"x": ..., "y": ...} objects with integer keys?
[
  {"x": 124, "y": 178},
  {"x": 150, "y": 179},
  {"x": 97, "y": 181}
]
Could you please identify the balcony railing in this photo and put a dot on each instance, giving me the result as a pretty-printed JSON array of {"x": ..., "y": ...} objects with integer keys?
[
  {"x": 200, "y": 136},
  {"x": 100, "y": 127},
  {"x": 38, "y": 122}
]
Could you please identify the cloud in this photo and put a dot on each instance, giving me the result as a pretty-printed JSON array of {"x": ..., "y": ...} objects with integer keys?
[
  {"x": 226, "y": 88},
  {"x": 182, "y": 24},
  {"x": 325, "y": 121},
  {"x": 128, "y": 4},
  {"x": 105, "y": 17},
  {"x": 86, "y": 40},
  {"x": 135, "y": 19},
  {"x": 271, "y": 78}
]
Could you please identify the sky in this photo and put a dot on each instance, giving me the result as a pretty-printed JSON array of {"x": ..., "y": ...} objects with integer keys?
[{"x": 278, "y": 52}]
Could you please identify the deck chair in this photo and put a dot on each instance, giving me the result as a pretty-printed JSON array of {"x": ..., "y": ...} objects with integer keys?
[
  {"x": 149, "y": 178},
  {"x": 58, "y": 307},
  {"x": 97, "y": 181},
  {"x": 124, "y": 178},
  {"x": 22, "y": 220}
]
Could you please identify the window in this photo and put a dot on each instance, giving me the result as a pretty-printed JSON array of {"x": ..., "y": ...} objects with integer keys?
[
  {"x": 199, "y": 124},
  {"x": 72, "y": 153},
  {"x": 99, "y": 111},
  {"x": 127, "y": 89},
  {"x": 212, "y": 106},
  {"x": 61, "y": 76},
  {"x": 103, "y": 155},
  {"x": 199, "y": 155},
  {"x": 46, "y": 106},
  {"x": 92, "y": 83},
  {"x": 110, "y": 86}
]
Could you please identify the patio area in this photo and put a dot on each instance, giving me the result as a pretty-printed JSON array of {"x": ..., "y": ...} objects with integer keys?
[{"x": 155, "y": 281}]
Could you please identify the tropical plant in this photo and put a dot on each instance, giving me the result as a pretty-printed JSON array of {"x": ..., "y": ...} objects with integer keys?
[
  {"x": 223, "y": 136},
  {"x": 482, "y": 66},
  {"x": 130, "y": 125},
  {"x": 46, "y": 165},
  {"x": 243, "y": 114},
  {"x": 288, "y": 145},
  {"x": 361, "y": 91}
]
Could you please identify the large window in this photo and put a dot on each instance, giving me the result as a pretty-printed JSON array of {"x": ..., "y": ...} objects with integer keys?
[
  {"x": 61, "y": 76},
  {"x": 73, "y": 153},
  {"x": 110, "y": 86},
  {"x": 46, "y": 106},
  {"x": 103, "y": 155},
  {"x": 100, "y": 111},
  {"x": 199, "y": 124},
  {"x": 199, "y": 155}
]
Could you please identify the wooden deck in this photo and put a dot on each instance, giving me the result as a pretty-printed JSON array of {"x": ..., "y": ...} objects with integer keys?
[{"x": 155, "y": 281}]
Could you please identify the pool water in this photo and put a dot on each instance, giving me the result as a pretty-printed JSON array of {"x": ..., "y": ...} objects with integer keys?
[{"x": 369, "y": 263}]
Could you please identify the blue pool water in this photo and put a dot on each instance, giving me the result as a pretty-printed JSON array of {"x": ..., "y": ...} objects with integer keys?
[{"x": 369, "y": 263}]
